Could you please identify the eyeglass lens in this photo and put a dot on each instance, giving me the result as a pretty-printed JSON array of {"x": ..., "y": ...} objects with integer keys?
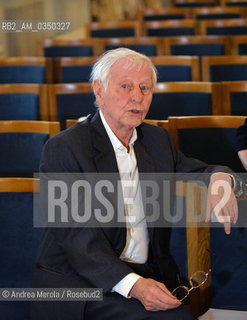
[
  {"x": 198, "y": 278},
  {"x": 180, "y": 292}
]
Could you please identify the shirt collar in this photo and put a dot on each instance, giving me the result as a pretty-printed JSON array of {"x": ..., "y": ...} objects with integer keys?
[{"x": 116, "y": 143}]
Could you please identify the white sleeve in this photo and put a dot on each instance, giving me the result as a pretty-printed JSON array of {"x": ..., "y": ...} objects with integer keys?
[{"x": 124, "y": 286}]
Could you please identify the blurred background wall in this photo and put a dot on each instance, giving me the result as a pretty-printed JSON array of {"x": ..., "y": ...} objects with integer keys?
[
  {"x": 24, "y": 43},
  {"x": 78, "y": 12}
]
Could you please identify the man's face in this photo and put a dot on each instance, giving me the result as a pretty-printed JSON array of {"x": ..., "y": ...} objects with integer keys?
[{"x": 127, "y": 98}]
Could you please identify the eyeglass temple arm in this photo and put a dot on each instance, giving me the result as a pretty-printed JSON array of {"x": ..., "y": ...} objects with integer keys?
[
  {"x": 209, "y": 271},
  {"x": 178, "y": 279},
  {"x": 216, "y": 260}
]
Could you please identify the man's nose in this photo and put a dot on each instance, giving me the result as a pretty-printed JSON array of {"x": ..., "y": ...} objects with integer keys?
[{"x": 137, "y": 94}]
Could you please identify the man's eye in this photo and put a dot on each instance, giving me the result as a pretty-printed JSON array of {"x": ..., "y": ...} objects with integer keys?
[
  {"x": 144, "y": 88},
  {"x": 124, "y": 86}
]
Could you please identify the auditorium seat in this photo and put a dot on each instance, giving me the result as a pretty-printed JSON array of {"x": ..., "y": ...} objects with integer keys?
[
  {"x": 113, "y": 29},
  {"x": 53, "y": 48},
  {"x": 210, "y": 248},
  {"x": 224, "y": 68},
  {"x": 25, "y": 70},
  {"x": 168, "y": 13},
  {"x": 21, "y": 144},
  {"x": 70, "y": 101},
  {"x": 197, "y": 46},
  {"x": 233, "y": 3},
  {"x": 23, "y": 102},
  {"x": 234, "y": 98},
  {"x": 19, "y": 241},
  {"x": 216, "y": 13},
  {"x": 177, "y": 68},
  {"x": 228, "y": 280},
  {"x": 160, "y": 123},
  {"x": 239, "y": 45},
  {"x": 213, "y": 138},
  {"x": 184, "y": 99},
  {"x": 170, "y": 28},
  {"x": 194, "y": 3},
  {"x": 69, "y": 70},
  {"x": 228, "y": 27},
  {"x": 150, "y": 46}
]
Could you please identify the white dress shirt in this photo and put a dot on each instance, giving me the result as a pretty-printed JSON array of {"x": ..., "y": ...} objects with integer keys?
[{"x": 137, "y": 240}]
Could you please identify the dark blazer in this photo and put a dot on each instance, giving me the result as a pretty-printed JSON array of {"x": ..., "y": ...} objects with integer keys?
[{"x": 89, "y": 257}]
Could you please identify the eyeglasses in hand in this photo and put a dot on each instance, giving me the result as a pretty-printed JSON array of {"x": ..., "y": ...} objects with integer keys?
[{"x": 196, "y": 280}]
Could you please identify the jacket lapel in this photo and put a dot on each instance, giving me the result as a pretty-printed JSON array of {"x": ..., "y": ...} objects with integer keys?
[
  {"x": 106, "y": 164},
  {"x": 104, "y": 156},
  {"x": 145, "y": 165},
  {"x": 144, "y": 160}
]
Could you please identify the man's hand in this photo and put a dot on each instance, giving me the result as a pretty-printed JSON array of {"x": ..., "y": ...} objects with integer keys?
[
  {"x": 222, "y": 201},
  {"x": 153, "y": 295}
]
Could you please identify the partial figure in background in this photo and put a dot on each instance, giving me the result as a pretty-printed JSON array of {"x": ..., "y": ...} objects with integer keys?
[{"x": 241, "y": 143}]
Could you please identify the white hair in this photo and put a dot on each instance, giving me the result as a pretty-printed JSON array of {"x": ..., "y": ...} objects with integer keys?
[{"x": 102, "y": 68}]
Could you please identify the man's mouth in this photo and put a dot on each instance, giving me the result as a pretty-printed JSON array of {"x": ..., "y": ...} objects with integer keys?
[{"x": 135, "y": 111}]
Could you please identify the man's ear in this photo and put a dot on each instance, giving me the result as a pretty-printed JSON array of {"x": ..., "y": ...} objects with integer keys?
[{"x": 99, "y": 92}]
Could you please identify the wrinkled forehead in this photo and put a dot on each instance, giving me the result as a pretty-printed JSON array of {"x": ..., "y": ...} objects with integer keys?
[
  {"x": 122, "y": 68},
  {"x": 129, "y": 63}
]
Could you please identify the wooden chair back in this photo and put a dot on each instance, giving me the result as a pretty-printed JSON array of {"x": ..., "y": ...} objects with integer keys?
[
  {"x": 112, "y": 29},
  {"x": 234, "y": 98},
  {"x": 227, "y": 27},
  {"x": 47, "y": 127},
  {"x": 69, "y": 70},
  {"x": 217, "y": 13},
  {"x": 175, "y": 68},
  {"x": 26, "y": 63},
  {"x": 170, "y": 28},
  {"x": 55, "y": 48},
  {"x": 238, "y": 45},
  {"x": 26, "y": 89},
  {"x": 70, "y": 100},
  {"x": 149, "y": 46},
  {"x": 170, "y": 13},
  {"x": 224, "y": 68},
  {"x": 194, "y": 3},
  {"x": 185, "y": 98}
]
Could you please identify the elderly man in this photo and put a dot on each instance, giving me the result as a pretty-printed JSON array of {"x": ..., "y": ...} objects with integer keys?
[{"x": 132, "y": 265}]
